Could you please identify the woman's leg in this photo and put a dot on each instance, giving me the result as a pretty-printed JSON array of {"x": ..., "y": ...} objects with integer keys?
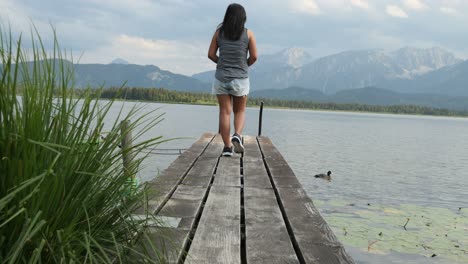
[
  {"x": 225, "y": 109},
  {"x": 239, "y": 113}
]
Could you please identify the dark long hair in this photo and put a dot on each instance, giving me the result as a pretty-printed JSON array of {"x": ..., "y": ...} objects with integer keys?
[{"x": 233, "y": 23}]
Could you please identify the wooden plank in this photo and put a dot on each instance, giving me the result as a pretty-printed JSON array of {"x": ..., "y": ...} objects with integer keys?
[
  {"x": 286, "y": 182},
  {"x": 215, "y": 148},
  {"x": 166, "y": 241},
  {"x": 255, "y": 174},
  {"x": 217, "y": 238},
  {"x": 270, "y": 152},
  {"x": 162, "y": 186},
  {"x": 184, "y": 203},
  {"x": 252, "y": 150},
  {"x": 228, "y": 172},
  {"x": 280, "y": 170},
  {"x": 156, "y": 195},
  {"x": 203, "y": 169},
  {"x": 315, "y": 239},
  {"x": 267, "y": 238},
  {"x": 282, "y": 175},
  {"x": 203, "y": 181},
  {"x": 201, "y": 172}
]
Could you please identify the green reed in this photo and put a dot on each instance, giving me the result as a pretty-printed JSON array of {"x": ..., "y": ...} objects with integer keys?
[{"x": 64, "y": 196}]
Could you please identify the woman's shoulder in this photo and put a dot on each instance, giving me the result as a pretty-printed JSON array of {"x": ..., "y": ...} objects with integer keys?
[{"x": 249, "y": 32}]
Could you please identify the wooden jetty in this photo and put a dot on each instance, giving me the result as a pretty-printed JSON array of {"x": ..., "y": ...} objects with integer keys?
[{"x": 243, "y": 209}]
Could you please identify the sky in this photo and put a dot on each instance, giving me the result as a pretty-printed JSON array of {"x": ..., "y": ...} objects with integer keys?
[{"x": 175, "y": 34}]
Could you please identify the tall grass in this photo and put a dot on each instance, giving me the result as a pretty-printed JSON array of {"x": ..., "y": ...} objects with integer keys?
[{"x": 64, "y": 197}]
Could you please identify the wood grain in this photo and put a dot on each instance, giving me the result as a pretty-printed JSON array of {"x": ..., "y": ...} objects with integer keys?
[
  {"x": 162, "y": 186},
  {"x": 217, "y": 239},
  {"x": 255, "y": 174},
  {"x": 267, "y": 239},
  {"x": 316, "y": 240},
  {"x": 228, "y": 172},
  {"x": 272, "y": 226},
  {"x": 251, "y": 148}
]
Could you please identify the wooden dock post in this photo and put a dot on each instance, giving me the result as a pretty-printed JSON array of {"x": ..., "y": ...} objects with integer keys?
[
  {"x": 247, "y": 208},
  {"x": 260, "y": 119}
]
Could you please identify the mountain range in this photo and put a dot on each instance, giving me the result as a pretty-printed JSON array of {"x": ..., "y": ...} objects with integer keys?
[
  {"x": 122, "y": 73},
  {"x": 432, "y": 77},
  {"x": 406, "y": 70}
]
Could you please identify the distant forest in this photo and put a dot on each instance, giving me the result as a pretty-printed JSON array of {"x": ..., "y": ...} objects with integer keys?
[{"x": 162, "y": 95}]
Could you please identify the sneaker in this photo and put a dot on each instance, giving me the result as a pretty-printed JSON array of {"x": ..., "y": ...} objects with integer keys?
[
  {"x": 237, "y": 142},
  {"x": 227, "y": 152}
]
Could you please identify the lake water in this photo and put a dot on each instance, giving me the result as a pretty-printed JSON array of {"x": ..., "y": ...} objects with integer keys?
[{"x": 388, "y": 170}]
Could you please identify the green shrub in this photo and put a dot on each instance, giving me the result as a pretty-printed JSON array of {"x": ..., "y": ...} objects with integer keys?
[{"x": 64, "y": 197}]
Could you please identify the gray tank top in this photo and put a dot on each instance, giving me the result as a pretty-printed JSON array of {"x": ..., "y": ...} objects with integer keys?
[{"x": 232, "y": 61}]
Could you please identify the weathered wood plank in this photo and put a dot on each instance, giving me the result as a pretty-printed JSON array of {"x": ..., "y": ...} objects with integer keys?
[
  {"x": 160, "y": 187},
  {"x": 282, "y": 175},
  {"x": 215, "y": 148},
  {"x": 184, "y": 203},
  {"x": 286, "y": 182},
  {"x": 202, "y": 181},
  {"x": 183, "y": 206},
  {"x": 267, "y": 238},
  {"x": 270, "y": 151},
  {"x": 156, "y": 195},
  {"x": 255, "y": 174},
  {"x": 252, "y": 150},
  {"x": 202, "y": 171},
  {"x": 228, "y": 172},
  {"x": 316, "y": 240},
  {"x": 217, "y": 239},
  {"x": 167, "y": 242}
]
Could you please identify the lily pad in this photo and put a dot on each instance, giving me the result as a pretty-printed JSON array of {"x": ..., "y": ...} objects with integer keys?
[{"x": 379, "y": 229}]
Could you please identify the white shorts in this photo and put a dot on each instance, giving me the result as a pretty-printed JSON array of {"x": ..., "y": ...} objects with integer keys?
[{"x": 236, "y": 87}]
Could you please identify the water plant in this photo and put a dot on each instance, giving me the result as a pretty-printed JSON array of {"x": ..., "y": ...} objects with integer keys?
[
  {"x": 419, "y": 231},
  {"x": 63, "y": 192}
]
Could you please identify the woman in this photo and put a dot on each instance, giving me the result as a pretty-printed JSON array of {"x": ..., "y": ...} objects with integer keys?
[{"x": 231, "y": 84}]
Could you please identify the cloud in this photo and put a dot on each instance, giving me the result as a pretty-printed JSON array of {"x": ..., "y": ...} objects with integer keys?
[
  {"x": 360, "y": 3},
  {"x": 305, "y": 6},
  {"x": 175, "y": 34},
  {"x": 448, "y": 10},
  {"x": 396, "y": 11},
  {"x": 190, "y": 57},
  {"x": 414, "y": 4}
]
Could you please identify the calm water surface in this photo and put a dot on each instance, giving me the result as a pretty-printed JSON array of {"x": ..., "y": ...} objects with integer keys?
[{"x": 387, "y": 170}]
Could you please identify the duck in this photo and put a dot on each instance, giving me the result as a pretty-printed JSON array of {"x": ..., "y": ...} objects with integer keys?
[{"x": 324, "y": 176}]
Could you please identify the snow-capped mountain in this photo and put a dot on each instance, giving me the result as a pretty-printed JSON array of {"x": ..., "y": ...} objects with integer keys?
[
  {"x": 119, "y": 61},
  {"x": 416, "y": 62},
  {"x": 357, "y": 69},
  {"x": 285, "y": 60},
  {"x": 292, "y": 58}
]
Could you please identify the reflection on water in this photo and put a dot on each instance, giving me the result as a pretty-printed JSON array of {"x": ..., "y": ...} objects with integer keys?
[{"x": 386, "y": 168}]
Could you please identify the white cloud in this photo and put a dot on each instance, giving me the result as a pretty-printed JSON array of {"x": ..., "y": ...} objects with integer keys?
[
  {"x": 396, "y": 11},
  {"x": 414, "y": 4},
  {"x": 360, "y": 3},
  {"x": 448, "y": 10},
  {"x": 305, "y": 6},
  {"x": 172, "y": 55}
]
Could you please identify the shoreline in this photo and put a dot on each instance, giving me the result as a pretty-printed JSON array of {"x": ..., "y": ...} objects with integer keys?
[{"x": 298, "y": 108}]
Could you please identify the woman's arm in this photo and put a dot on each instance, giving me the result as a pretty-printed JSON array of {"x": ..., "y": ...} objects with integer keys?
[
  {"x": 213, "y": 48},
  {"x": 252, "y": 48}
]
